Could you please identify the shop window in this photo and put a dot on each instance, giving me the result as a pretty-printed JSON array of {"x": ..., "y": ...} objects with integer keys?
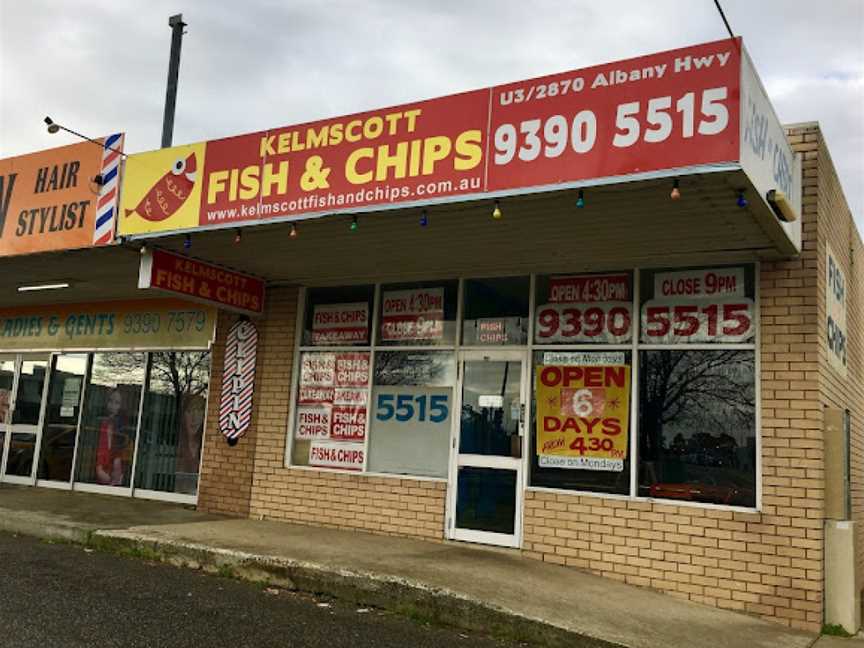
[
  {"x": 28, "y": 408},
  {"x": 110, "y": 419},
  {"x": 412, "y": 408},
  {"x": 495, "y": 311},
  {"x": 698, "y": 305},
  {"x": 418, "y": 314},
  {"x": 697, "y": 426},
  {"x": 63, "y": 406},
  {"x": 581, "y": 421},
  {"x": 331, "y": 410},
  {"x": 7, "y": 377},
  {"x": 338, "y": 316},
  {"x": 31, "y": 382},
  {"x": 172, "y": 429},
  {"x": 584, "y": 309}
]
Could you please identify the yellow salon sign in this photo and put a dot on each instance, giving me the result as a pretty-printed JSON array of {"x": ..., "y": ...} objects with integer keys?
[
  {"x": 142, "y": 324},
  {"x": 583, "y": 416}
]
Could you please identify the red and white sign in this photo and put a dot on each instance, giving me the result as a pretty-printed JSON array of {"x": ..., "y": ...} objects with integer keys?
[
  {"x": 337, "y": 324},
  {"x": 663, "y": 111},
  {"x": 329, "y": 454},
  {"x": 204, "y": 282},
  {"x": 238, "y": 379},
  {"x": 706, "y": 283},
  {"x": 332, "y": 398},
  {"x": 677, "y": 321},
  {"x": 697, "y": 306},
  {"x": 313, "y": 422},
  {"x": 589, "y": 288},
  {"x": 416, "y": 314},
  {"x": 586, "y": 308}
]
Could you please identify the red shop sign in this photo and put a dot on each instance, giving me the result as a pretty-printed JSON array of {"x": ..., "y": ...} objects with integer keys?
[{"x": 179, "y": 275}]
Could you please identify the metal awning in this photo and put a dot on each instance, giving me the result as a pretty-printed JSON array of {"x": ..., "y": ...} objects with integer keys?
[{"x": 623, "y": 225}]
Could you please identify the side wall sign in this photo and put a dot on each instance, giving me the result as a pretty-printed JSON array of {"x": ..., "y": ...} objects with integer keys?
[
  {"x": 238, "y": 380},
  {"x": 835, "y": 313}
]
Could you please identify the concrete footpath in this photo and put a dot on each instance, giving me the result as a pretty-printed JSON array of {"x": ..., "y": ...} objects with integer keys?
[{"x": 457, "y": 584}]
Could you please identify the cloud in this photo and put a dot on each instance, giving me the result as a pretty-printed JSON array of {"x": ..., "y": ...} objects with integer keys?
[{"x": 101, "y": 67}]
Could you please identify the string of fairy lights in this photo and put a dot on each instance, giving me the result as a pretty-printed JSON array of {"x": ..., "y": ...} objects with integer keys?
[{"x": 497, "y": 214}]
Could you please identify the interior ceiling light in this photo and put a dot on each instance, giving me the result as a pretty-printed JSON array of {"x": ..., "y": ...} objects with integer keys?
[{"x": 48, "y": 286}]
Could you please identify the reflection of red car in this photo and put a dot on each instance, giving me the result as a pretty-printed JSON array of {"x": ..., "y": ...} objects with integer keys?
[{"x": 697, "y": 492}]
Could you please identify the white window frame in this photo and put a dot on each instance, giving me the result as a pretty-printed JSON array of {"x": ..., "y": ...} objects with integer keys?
[{"x": 634, "y": 346}]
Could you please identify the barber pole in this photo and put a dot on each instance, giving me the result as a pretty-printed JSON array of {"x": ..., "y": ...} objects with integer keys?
[
  {"x": 106, "y": 206},
  {"x": 238, "y": 380}
]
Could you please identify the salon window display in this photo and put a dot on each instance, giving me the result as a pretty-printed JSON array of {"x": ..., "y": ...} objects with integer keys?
[
  {"x": 110, "y": 419},
  {"x": 169, "y": 450}
]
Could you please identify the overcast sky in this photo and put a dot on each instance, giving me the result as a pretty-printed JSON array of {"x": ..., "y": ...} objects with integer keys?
[{"x": 100, "y": 67}]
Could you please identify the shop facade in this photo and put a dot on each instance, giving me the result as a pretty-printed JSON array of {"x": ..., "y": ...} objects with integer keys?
[
  {"x": 102, "y": 389},
  {"x": 606, "y": 318},
  {"x": 111, "y": 402},
  {"x": 721, "y": 495}
]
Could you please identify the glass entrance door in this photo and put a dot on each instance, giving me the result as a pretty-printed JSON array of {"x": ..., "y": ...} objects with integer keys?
[
  {"x": 7, "y": 386},
  {"x": 24, "y": 417},
  {"x": 486, "y": 480},
  {"x": 62, "y": 412}
]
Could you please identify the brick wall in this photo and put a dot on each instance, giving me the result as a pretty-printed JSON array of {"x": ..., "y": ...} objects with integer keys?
[
  {"x": 225, "y": 485},
  {"x": 837, "y": 228},
  {"x": 767, "y": 563}
]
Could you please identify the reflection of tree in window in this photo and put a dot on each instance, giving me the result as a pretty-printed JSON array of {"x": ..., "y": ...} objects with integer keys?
[
  {"x": 697, "y": 426},
  {"x": 174, "y": 420}
]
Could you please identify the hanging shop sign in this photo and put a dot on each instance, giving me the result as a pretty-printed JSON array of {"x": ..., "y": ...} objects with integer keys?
[
  {"x": 697, "y": 306},
  {"x": 663, "y": 111},
  {"x": 583, "y": 414},
  {"x": 238, "y": 379},
  {"x": 201, "y": 281},
  {"x": 586, "y": 308},
  {"x": 332, "y": 407},
  {"x": 336, "y": 324},
  {"x": 416, "y": 314},
  {"x": 142, "y": 324},
  {"x": 835, "y": 313},
  {"x": 49, "y": 200}
]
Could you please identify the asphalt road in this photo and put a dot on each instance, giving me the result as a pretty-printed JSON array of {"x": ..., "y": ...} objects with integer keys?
[{"x": 54, "y": 595}]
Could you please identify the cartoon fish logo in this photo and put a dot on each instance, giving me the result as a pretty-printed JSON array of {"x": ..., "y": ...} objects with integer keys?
[{"x": 169, "y": 193}]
